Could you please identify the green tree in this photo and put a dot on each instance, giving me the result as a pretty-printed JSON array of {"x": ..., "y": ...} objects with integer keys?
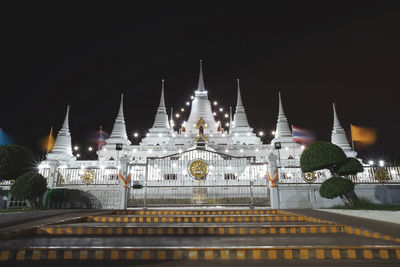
[
  {"x": 325, "y": 155},
  {"x": 14, "y": 161},
  {"x": 29, "y": 187}
]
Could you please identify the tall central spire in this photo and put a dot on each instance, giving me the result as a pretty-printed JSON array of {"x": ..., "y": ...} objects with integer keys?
[
  {"x": 201, "y": 87},
  {"x": 201, "y": 108}
]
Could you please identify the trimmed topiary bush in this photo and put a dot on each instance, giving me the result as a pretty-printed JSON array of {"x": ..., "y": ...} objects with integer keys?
[
  {"x": 322, "y": 155},
  {"x": 351, "y": 167},
  {"x": 14, "y": 161},
  {"x": 336, "y": 187},
  {"x": 29, "y": 187}
]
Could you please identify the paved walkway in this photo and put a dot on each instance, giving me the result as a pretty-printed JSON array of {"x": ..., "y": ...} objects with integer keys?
[
  {"x": 379, "y": 215},
  {"x": 392, "y": 229}
]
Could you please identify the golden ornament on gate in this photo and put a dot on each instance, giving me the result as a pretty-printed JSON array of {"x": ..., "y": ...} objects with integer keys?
[
  {"x": 88, "y": 176},
  {"x": 198, "y": 169}
]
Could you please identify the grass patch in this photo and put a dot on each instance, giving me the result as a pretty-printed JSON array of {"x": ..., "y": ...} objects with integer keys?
[
  {"x": 364, "y": 204},
  {"x": 14, "y": 210}
]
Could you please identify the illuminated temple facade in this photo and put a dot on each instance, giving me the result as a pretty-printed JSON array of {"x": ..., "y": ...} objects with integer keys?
[{"x": 202, "y": 162}]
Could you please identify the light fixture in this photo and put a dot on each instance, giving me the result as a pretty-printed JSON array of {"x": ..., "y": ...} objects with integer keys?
[
  {"x": 187, "y": 103},
  {"x": 135, "y": 134},
  {"x": 76, "y": 148},
  {"x": 260, "y": 133},
  {"x": 90, "y": 148},
  {"x": 371, "y": 162},
  {"x": 215, "y": 103},
  {"x": 381, "y": 163}
]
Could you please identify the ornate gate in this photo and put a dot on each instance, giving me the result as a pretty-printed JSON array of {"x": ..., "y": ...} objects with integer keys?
[{"x": 198, "y": 177}]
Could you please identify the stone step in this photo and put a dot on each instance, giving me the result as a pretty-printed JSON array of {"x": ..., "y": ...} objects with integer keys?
[
  {"x": 384, "y": 253},
  {"x": 190, "y": 230},
  {"x": 197, "y": 218},
  {"x": 198, "y": 212}
]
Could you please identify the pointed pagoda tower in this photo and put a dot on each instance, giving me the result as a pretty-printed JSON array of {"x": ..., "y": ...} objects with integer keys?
[
  {"x": 241, "y": 132},
  {"x": 160, "y": 132},
  {"x": 282, "y": 132},
  {"x": 118, "y": 134},
  {"x": 62, "y": 149},
  {"x": 201, "y": 109},
  {"x": 339, "y": 135}
]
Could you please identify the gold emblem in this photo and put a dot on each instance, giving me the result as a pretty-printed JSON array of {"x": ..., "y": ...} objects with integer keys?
[
  {"x": 88, "y": 176},
  {"x": 198, "y": 169},
  {"x": 309, "y": 177},
  {"x": 381, "y": 175}
]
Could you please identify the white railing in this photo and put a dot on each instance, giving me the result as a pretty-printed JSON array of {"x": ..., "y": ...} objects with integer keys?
[
  {"x": 294, "y": 175},
  {"x": 76, "y": 176}
]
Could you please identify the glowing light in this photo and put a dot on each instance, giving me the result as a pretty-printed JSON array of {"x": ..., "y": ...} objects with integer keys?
[
  {"x": 134, "y": 150},
  {"x": 160, "y": 135},
  {"x": 223, "y": 135},
  {"x": 164, "y": 151},
  {"x": 286, "y": 148},
  {"x": 257, "y": 150},
  {"x": 226, "y": 115},
  {"x": 186, "y": 135},
  {"x": 226, "y": 150},
  {"x": 215, "y": 103},
  {"x": 105, "y": 149},
  {"x": 302, "y": 147},
  {"x": 227, "y": 124},
  {"x": 215, "y": 113},
  {"x": 218, "y": 122},
  {"x": 371, "y": 162},
  {"x": 211, "y": 135},
  {"x": 179, "y": 151},
  {"x": 76, "y": 148},
  {"x": 260, "y": 133},
  {"x": 177, "y": 115},
  {"x": 174, "y": 165},
  {"x": 236, "y": 134},
  {"x": 188, "y": 103},
  {"x": 150, "y": 151},
  {"x": 381, "y": 163},
  {"x": 90, "y": 148},
  {"x": 78, "y": 155},
  {"x": 248, "y": 134},
  {"x": 221, "y": 109},
  {"x": 241, "y": 150},
  {"x": 182, "y": 109},
  {"x": 192, "y": 97},
  {"x": 148, "y": 134},
  {"x": 273, "y": 132},
  {"x": 173, "y": 135},
  {"x": 135, "y": 134}
]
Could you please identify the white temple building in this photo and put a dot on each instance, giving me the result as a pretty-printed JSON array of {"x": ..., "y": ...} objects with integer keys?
[{"x": 232, "y": 162}]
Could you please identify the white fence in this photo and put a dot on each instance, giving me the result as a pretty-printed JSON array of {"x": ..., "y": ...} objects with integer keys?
[{"x": 294, "y": 175}]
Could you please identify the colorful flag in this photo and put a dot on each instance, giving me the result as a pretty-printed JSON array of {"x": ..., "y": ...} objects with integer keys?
[
  {"x": 4, "y": 138},
  {"x": 364, "y": 135},
  {"x": 303, "y": 136},
  {"x": 47, "y": 143},
  {"x": 102, "y": 139}
]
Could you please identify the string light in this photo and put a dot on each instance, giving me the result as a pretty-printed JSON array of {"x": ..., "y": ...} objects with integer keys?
[
  {"x": 215, "y": 103},
  {"x": 261, "y": 133},
  {"x": 135, "y": 134},
  {"x": 90, "y": 148},
  {"x": 221, "y": 109},
  {"x": 226, "y": 115},
  {"x": 177, "y": 115},
  {"x": 192, "y": 97},
  {"x": 188, "y": 103},
  {"x": 215, "y": 113},
  {"x": 182, "y": 109},
  {"x": 76, "y": 148}
]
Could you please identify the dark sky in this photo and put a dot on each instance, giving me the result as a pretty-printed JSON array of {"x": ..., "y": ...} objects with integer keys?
[{"x": 314, "y": 53}]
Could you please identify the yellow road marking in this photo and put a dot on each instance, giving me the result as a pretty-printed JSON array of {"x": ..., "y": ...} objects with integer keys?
[
  {"x": 304, "y": 254},
  {"x": 4, "y": 255},
  {"x": 335, "y": 254},
  {"x": 368, "y": 254}
]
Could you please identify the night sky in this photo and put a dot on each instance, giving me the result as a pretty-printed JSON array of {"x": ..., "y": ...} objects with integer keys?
[{"x": 312, "y": 53}]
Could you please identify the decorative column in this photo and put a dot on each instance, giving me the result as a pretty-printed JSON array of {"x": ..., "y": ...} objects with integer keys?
[
  {"x": 272, "y": 175},
  {"x": 124, "y": 181}
]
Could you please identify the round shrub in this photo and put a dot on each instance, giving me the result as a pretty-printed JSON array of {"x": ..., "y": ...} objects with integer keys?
[
  {"x": 335, "y": 187},
  {"x": 321, "y": 155},
  {"x": 351, "y": 167},
  {"x": 14, "y": 161},
  {"x": 29, "y": 186}
]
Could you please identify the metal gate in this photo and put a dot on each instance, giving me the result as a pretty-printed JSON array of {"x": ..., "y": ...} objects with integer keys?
[{"x": 171, "y": 180}]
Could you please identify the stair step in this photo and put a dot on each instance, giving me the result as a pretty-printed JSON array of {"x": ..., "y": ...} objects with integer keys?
[
  {"x": 197, "y": 212},
  {"x": 191, "y": 230},
  {"x": 239, "y": 253}
]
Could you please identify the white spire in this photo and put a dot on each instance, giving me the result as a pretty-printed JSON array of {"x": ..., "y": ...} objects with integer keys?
[
  {"x": 161, "y": 120},
  {"x": 338, "y": 134},
  {"x": 201, "y": 108},
  {"x": 62, "y": 147},
  {"x": 240, "y": 119},
  {"x": 118, "y": 134},
  {"x": 282, "y": 126},
  {"x": 201, "y": 87}
]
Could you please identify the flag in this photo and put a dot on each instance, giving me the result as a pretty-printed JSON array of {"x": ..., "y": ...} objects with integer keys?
[
  {"x": 4, "y": 138},
  {"x": 303, "y": 136},
  {"x": 47, "y": 143},
  {"x": 363, "y": 135},
  {"x": 102, "y": 139}
]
